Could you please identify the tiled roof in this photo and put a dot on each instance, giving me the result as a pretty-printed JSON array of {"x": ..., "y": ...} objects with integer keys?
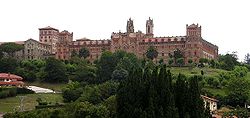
[
  {"x": 48, "y": 28},
  {"x": 12, "y": 83},
  {"x": 9, "y": 76}
]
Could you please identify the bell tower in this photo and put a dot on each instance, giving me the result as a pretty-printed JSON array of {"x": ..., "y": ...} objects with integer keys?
[
  {"x": 149, "y": 27},
  {"x": 130, "y": 26}
]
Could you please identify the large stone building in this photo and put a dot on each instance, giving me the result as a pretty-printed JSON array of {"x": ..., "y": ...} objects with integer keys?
[
  {"x": 192, "y": 45},
  {"x": 36, "y": 50},
  {"x": 52, "y": 36}
]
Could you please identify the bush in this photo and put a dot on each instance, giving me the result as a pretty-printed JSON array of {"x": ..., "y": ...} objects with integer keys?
[
  {"x": 7, "y": 92},
  {"x": 216, "y": 83},
  {"x": 24, "y": 91}
]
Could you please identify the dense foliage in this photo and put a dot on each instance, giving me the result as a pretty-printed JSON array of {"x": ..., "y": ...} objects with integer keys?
[{"x": 150, "y": 93}]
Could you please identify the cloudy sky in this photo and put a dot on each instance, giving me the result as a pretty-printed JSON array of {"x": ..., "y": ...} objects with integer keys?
[{"x": 225, "y": 23}]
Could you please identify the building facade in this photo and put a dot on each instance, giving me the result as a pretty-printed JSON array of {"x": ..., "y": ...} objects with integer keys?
[
  {"x": 95, "y": 47},
  {"x": 211, "y": 103},
  {"x": 36, "y": 50},
  {"x": 192, "y": 45}
]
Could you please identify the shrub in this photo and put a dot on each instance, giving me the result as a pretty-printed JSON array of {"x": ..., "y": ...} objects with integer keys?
[{"x": 24, "y": 91}]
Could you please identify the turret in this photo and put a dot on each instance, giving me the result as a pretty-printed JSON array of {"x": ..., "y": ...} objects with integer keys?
[
  {"x": 130, "y": 26},
  {"x": 149, "y": 26}
]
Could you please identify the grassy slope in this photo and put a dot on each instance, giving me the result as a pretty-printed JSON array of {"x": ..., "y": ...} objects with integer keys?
[
  {"x": 207, "y": 72},
  {"x": 11, "y": 103}
]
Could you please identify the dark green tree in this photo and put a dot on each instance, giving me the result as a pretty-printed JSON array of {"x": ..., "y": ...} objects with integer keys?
[
  {"x": 151, "y": 53},
  {"x": 170, "y": 61},
  {"x": 74, "y": 53},
  {"x": 8, "y": 65},
  {"x": 105, "y": 66},
  {"x": 177, "y": 54},
  {"x": 56, "y": 71},
  {"x": 1, "y": 54},
  {"x": 180, "y": 61},
  {"x": 119, "y": 74},
  {"x": 11, "y": 48},
  {"x": 195, "y": 100},
  {"x": 228, "y": 61},
  {"x": 190, "y": 61},
  {"x": 181, "y": 96},
  {"x": 84, "y": 52}
]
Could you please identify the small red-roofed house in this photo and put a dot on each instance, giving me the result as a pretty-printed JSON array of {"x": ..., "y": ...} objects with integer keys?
[{"x": 7, "y": 79}]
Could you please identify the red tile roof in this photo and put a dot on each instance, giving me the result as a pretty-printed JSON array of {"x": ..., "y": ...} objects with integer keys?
[
  {"x": 12, "y": 83},
  {"x": 9, "y": 76}
]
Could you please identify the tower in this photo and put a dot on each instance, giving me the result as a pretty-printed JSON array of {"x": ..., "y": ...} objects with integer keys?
[
  {"x": 194, "y": 42},
  {"x": 130, "y": 26},
  {"x": 193, "y": 30},
  {"x": 49, "y": 35},
  {"x": 149, "y": 27},
  {"x": 65, "y": 37}
]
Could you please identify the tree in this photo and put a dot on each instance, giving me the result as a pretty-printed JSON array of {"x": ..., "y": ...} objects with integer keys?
[
  {"x": 56, "y": 71},
  {"x": 203, "y": 60},
  {"x": 8, "y": 65},
  {"x": 85, "y": 73},
  {"x": 84, "y": 52},
  {"x": 11, "y": 48},
  {"x": 177, "y": 54},
  {"x": 181, "y": 96},
  {"x": 238, "y": 91},
  {"x": 151, "y": 53},
  {"x": 190, "y": 61},
  {"x": 180, "y": 61},
  {"x": 195, "y": 101},
  {"x": 111, "y": 104},
  {"x": 1, "y": 54},
  {"x": 228, "y": 61},
  {"x": 87, "y": 110},
  {"x": 74, "y": 53},
  {"x": 247, "y": 58},
  {"x": 148, "y": 94},
  {"x": 119, "y": 74},
  {"x": 105, "y": 66},
  {"x": 170, "y": 61},
  {"x": 212, "y": 63}
]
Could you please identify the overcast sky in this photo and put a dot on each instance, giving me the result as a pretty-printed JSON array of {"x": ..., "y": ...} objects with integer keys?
[{"x": 225, "y": 23}]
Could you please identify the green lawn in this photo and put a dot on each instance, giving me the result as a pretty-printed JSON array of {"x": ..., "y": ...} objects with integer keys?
[
  {"x": 55, "y": 86},
  {"x": 11, "y": 103},
  {"x": 196, "y": 71}
]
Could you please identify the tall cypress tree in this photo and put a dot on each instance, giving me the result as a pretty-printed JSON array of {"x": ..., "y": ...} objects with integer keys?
[
  {"x": 181, "y": 96},
  {"x": 195, "y": 101}
]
